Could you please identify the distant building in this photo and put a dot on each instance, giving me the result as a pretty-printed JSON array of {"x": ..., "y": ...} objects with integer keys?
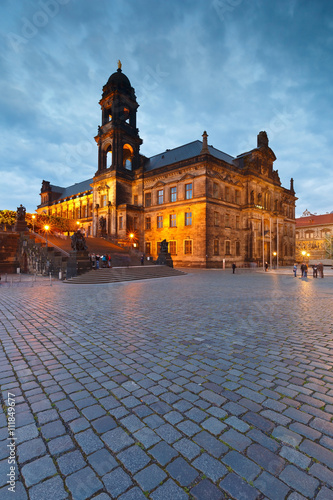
[
  {"x": 212, "y": 208},
  {"x": 314, "y": 236}
]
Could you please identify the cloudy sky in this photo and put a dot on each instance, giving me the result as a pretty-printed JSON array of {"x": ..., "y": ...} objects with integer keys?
[{"x": 231, "y": 67}]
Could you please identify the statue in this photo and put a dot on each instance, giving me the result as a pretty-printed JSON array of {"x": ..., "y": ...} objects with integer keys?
[
  {"x": 164, "y": 257},
  {"x": 20, "y": 213},
  {"x": 78, "y": 242},
  {"x": 164, "y": 246}
]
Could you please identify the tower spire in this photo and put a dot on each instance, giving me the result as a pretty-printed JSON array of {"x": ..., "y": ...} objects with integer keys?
[{"x": 119, "y": 64}]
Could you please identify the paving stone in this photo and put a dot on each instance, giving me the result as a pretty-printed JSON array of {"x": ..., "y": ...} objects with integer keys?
[
  {"x": 271, "y": 487},
  {"x": 48, "y": 416},
  {"x": 147, "y": 437},
  {"x": 25, "y": 433},
  {"x": 83, "y": 484},
  {"x": 23, "y": 419},
  {"x": 234, "y": 409},
  {"x": 183, "y": 473},
  {"x": 322, "y": 473},
  {"x": 295, "y": 457},
  {"x": 51, "y": 488},
  {"x": 206, "y": 490},
  {"x": 238, "y": 424},
  {"x": 316, "y": 451},
  {"x": 39, "y": 469},
  {"x": 163, "y": 453},
  {"x": 236, "y": 440},
  {"x": 71, "y": 462},
  {"x": 168, "y": 433},
  {"x": 173, "y": 417},
  {"x": 161, "y": 408},
  {"x": 325, "y": 494},
  {"x": 19, "y": 494},
  {"x": 134, "y": 459},
  {"x": 295, "y": 414},
  {"x": 53, "y": 429},
  {"x": 116, "y": 482},
  {"x": 234, "y": 486},
  {"x": 133, "y": 494},
  {"x": 103, "y": 424},
  {"x": 258, "y": 421},
  {"x": 188, "y": 427},
  {"x": 211, "y": 467},
  {"x": 169, "y": 491},
  {"x": 187, "y": 448},
  {"x": 30, "y": 449},
  {"x": 132, "y": 423},
  {"x": 80, "y": 424},
  {"x": 299, "y": 481},
  {"x": 60, "y": 445},
  {"x": 150, "y": 477},
  {"x": 212, "y": 397},
  {"x": 88, "y": 441},
  {"x": 322, "y": 426},
  {"x": 305, "y": 430},
  {"x": 93, "y": 412},
  {"x": 286, "y": 436},
  {"x": 241, "y": 465},
  {"x": 210, "y": 444},
  {"x": 265, "y": 458}
]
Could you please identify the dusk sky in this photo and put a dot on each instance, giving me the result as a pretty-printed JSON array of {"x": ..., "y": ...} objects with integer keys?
[{"x": 231, "y": 67}]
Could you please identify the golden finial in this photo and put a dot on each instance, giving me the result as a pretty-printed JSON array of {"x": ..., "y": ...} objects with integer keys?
[{"x": 119, "y": 64}]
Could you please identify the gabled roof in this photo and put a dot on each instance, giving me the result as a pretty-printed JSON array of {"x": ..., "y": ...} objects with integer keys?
[
  {"x": 77, "y": 188},
  {"x": 185, "y": 152},
  {"x": 314, "y": 220}
]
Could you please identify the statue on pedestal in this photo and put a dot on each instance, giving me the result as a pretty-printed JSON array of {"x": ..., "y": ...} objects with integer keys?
[{"x": 78, "y": 242}]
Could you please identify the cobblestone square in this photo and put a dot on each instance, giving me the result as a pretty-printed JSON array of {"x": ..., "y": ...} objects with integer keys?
[{"x": 207, "y": 385}]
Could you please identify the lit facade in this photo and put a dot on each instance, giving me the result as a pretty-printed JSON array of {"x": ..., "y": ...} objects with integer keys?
[
  {"x": 314, "y": 236},
  {"x": 212, "y": 208}
]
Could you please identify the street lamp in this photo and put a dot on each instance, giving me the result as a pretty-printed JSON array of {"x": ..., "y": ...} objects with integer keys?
[
  {"x": 46, "y": 227},
  {"x": 131, "y": 235},
  {"x": 33, "y": 222},
  {"x": 274, "y": 255}
]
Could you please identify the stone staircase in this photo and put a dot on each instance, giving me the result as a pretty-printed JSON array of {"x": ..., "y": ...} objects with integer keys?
[{"x": 118, "y": 274}]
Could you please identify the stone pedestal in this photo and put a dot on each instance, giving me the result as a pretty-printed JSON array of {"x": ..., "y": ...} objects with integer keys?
[
  {"x": 20, "y": 226},
  {"x": 78, "y": 263},
  {"x": 164, "y": 259}
]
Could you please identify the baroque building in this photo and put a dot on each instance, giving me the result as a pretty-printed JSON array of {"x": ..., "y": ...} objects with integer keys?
[
  {"x": 212, "y": 208},
  {"x": 314, "y": 235}
]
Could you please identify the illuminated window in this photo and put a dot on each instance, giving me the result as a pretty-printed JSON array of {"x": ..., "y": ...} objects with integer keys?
[
  {"x": 188, "y": 247},
  {"x": 227, "y": 247},
  {"x": 189, "y": 191},
  {"x": 216, "y": 247},
  {"x": 135, "y": 199},
  {"x": 148, "y": 199},
  {"x": 103, "y": 200},
  {"x": 148, "y": 247},
  {"x": 148, "y": 223},
  {"x": 173, "y": 220},
  {"x": 188, "y": 218},
  {"x": 173, "y": 247},
  {"x": 227, "y": 220},
  {"x": 173, "y": 194},
  {"x": 160, "y": 196},
  {"x": 160, "y": 221}
]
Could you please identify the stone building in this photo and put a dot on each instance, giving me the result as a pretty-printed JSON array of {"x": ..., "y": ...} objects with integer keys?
[
  {"x": 314, "y": 235},
  {"x": 212, "y": 208}
]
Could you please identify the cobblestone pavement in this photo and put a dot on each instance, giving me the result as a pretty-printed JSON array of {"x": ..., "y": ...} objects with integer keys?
[{"x": 204, "y": 386}]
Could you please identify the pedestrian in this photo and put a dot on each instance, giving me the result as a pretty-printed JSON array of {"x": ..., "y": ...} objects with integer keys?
[
  {"x": 233, "y": 268},
  {"x": 109, "y": 260},
  {"x": 302, "y": 269},
  {"x": 315, "y": 270},
  {"x": 142, "y": 260},
  {"x": 305, "y": 274},
  {"x": 104, "y": 260},
  {"x": 321, "y": 269},
  {"x": 93, "y": 260},
  {"x": 97, "y": 261},
  {"x": 295, "y": 270},
  {"x": 266, "y": 266}
]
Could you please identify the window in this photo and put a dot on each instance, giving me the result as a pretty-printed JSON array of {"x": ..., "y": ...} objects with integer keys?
[
  {"x": 188, "y": 191},
  {"x": 160, "y": 197},
  {"x": 160, "y": 221},
  {"x": 188, "y": 218},
  {"x": 135, "y": 222},
  {"x": 148, "y": 247},
  {"x": 158, "y": 247},
  {"x": 148, "y": 223},
  {"x": 215, "y": 190},
  {"x": 173, "y": 247},
  {"x": 227, "y": 220},
  {"x": 77, "y": 211},
  {"x": 148, "y": 199},
  {"x": 216, "y": 219},
  {"x": 173, "y": 194},
  {"x": 121, "y": 222},
  {"x": 237, "y": 222},
  {"x": 216, "y": 247},
  {"x": 173, "y": 220},
  {"x": 227, "y": 247},
  {"x": 135, "y": 200},
  {"x": 238, "y": 248},
  {"x": 188, "y": 247},
  {"x": 85, "y": 211},
  {"x": 227, "y": 194},
  {"x": 237, "y": 197},
  {"x": 103, "y": 200}
]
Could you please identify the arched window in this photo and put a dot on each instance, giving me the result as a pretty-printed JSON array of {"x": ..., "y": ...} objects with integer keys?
[
  {"x": 127, "y": 156},
  {"x": 109, "y": 157}
]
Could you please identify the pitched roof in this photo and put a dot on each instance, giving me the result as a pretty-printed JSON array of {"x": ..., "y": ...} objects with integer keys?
[
  {"x": 77, "y": 188},
  {"x": 185, "y": 152},
  {"x": 314, "y": 220}
]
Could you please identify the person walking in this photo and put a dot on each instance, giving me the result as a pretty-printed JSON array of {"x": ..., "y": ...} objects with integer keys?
[
  {"x": 233, "y": 268},
  {"x": 302, "y": 269},
  {"x": 295, "y": 270},
  {"x": 315, "y": 271},
  {"x": 305, "y": 275},
  {"x": 97, "y": 261},
  {"x": 142, "y": 260},
  {"x": 321, "y": 269},
  {"x": 266, "y": 267}
]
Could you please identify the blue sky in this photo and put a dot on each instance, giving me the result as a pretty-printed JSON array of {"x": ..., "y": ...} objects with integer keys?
[{"x": 231, "y": 67}]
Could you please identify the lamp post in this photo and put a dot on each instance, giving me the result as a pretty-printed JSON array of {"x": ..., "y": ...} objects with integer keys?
[
  {"x": 33, "y": 222},
  {"x": 46, "y": 227},
  {"x": 274, "y": 255}
]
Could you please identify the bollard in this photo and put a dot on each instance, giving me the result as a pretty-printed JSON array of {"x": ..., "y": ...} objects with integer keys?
[{"x": 50, "y": 279}]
